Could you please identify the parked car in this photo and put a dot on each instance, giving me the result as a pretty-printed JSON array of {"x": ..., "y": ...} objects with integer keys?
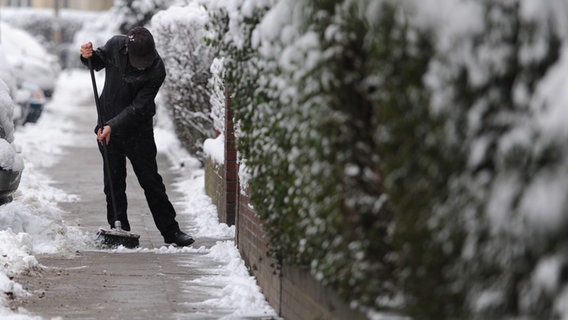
[
  {"x": 29, "y": 59},
  {"x": 22, "y": 108},
  {"x": 30, "y": 99},
  {"x": 6, "y": 73},
  {"x": 11, "y": 163}
]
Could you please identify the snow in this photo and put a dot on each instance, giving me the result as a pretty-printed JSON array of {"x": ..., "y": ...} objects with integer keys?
[
  {"x": 217, "y": 98},
  {"x": 9, "y": 158},
  {"x": 232, "y": 275},
  {"x": 215, "y": 148},
  {"x": 6, "y": 112},
  {"x": 547, "y": 272},
  {"x": 32, "y": 224},
  {"x": 20, "y": 43},
  {"x": 30, "y": 61}
]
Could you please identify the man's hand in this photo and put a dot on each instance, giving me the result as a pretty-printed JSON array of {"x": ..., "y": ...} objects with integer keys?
[
  {"x": 104, "y": 134},
  {"x": 87, "y": 50}
]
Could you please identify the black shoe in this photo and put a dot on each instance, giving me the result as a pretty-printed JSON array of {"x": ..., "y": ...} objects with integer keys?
[{"x": 180, "y": 238}]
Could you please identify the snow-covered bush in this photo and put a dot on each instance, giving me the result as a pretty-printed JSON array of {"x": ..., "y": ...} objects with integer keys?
[
  {"x": 133, "y": 13},
  {"x": 216, "y": 88},
  {"x": 413, "y": 153},
  {"x": 306, "y": 135},
  {"x": 486, "y": 82},
  {"x": 180, "y": 38}
]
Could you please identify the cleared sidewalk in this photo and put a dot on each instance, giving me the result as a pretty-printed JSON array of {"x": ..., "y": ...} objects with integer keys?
[{"x": 157, "y": 282}]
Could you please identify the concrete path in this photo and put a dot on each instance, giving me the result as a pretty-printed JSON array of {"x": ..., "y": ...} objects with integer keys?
[{"x": 102, "y": 284}]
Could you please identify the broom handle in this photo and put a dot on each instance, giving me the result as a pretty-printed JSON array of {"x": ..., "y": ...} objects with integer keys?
[{"x": 106, "y": 164}]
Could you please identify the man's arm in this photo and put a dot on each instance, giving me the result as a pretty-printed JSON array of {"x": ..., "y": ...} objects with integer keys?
[
  {"x": 142, "y": 107},
  {"x": 96, "y": 59}
]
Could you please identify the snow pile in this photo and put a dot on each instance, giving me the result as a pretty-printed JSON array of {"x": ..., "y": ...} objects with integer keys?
[
  {"x": 32, "y": 224},
  {"x": 200, "y": 206},
  {"x": 15, "y": 253},
  {"x": 15, "y": 258},
  {"x": 215, "y": 148},
  {"x": 34, "y": 210},
  {"x": 239, "y": 288}
]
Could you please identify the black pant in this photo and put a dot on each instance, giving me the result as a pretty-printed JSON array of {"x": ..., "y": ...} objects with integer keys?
[{"x": 140, "y": 148}]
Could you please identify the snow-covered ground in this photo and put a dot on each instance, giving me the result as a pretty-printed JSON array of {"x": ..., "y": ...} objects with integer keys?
[{"x": 32, "y": 223}]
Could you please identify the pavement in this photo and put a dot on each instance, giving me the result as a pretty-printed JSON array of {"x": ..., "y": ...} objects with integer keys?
[{"x": 106, "y": 284}]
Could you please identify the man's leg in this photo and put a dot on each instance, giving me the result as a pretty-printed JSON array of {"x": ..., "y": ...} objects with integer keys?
[
  {"x": 117, "y": 165},
  {"x": 141, "y": 151}
]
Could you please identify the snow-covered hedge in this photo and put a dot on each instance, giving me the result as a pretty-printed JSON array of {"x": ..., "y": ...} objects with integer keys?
[
  {"x": 413, "y": 153},
  {"x": 180, "y": 38},
  {"x": 306, "y": 135}
]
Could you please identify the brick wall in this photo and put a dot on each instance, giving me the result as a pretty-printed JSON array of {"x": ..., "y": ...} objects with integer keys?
[
  {"x": 215, "y": 186},
  {"x": 221, "y": 180},
  {"x": 304, "y": 298},
  {"x": 291, "y": 290},
  {"x": 252, "y": 243}
]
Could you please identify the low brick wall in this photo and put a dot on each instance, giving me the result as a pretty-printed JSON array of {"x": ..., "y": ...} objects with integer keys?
[
  {"x": 215, "y": 186},
  {"x": 304, "y": 298},
  {"x": 291, "y": 290},
  {"x": 252, "y": 243}
]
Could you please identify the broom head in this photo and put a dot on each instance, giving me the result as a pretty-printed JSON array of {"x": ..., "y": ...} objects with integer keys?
[{"x": 113, "y": 238}]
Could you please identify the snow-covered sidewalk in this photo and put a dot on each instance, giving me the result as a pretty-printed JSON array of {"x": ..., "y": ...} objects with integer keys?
[{"x": 49, "y": 223}]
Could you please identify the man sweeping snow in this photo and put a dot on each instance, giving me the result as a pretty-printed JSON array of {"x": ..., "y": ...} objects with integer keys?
[{"x": 134, "y": 74}]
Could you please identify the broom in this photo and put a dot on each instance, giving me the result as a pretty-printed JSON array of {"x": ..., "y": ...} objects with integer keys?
[{"x": 113, "y": 237}]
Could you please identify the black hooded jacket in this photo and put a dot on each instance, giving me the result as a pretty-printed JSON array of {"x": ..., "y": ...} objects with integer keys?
[{"x": 127, "y": 99}]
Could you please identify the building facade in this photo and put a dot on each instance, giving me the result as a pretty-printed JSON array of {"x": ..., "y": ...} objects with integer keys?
[{"x": 99, "y": 5}]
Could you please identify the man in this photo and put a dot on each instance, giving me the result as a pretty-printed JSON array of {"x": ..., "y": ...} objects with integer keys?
[{"x": 134, "y": 74}]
